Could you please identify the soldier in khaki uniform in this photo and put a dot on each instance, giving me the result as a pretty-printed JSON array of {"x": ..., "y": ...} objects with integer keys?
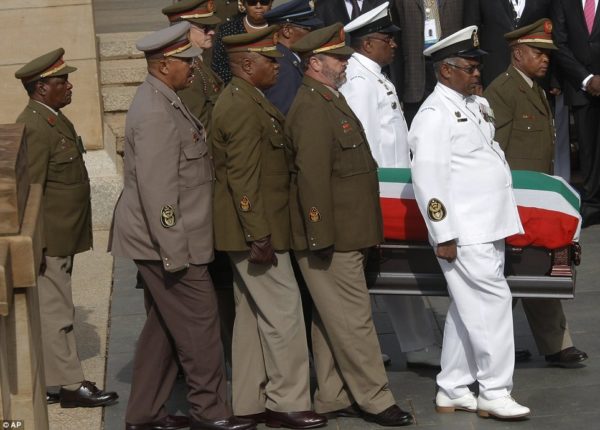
[
  {"x": 270, "y": 355},
  {"x": 55, "y": 154},
  {"x": 525, "y": 131},
  {"x": 163, "y": 221},
  {"x": 335, "y": 216},
  {"x": 200, "y": 97}
]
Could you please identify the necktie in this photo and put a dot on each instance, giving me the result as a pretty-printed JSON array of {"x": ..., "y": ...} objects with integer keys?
[
  {"x": 355, "y": 9},
  {"x": 589, "y": 13}
]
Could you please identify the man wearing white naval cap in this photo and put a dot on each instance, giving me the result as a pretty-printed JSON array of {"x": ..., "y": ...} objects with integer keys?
[
  {"x": 463, "y": 187},
  {"x": 372, "y": 97}
]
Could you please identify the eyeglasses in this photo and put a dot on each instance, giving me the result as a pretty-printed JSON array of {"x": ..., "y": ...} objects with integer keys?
[
  {"x": 468, "y": 70},
  {"x": 388, "y": 40},
  {"x": 255, "y": 2}
]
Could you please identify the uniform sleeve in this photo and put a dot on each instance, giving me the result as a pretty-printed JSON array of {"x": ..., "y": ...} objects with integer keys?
[
  {"x": 503, "y": 114},
  {"x": 362, "y": 99},
  {"x": 243, "y": 148},
  {"x": 157, "y": 154},
  {"x": 313, "y": 161},
  {"x": 430, "y": 142},
  {"x": 39, "y": 148}
]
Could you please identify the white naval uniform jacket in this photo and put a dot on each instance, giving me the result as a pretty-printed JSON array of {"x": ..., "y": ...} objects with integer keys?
[
  {"x": 457, "y": 162},
  {"x": 372, "y": 97}
]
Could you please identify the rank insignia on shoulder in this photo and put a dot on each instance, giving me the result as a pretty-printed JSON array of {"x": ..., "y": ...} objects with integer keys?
[
  {"x": 346, "y": 126},
  {"x": 245, "y": 204},
  {"x": 436, "y": 211},
  {"x": 167, "y": 216},
  {"x": 314, "y": 215}
]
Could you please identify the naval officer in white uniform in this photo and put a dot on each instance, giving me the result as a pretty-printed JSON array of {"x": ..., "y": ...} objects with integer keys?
[
  {"x": 372, "y": 97},
  {"x": 463, "y": 187}
]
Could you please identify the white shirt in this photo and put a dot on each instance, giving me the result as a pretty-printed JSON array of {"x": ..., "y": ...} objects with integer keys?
[
  {"x": 595, "y": 4},
  {"x": 457, "y": 162},
  {"x": 519, "y": 6},
  {"x": 372, "y": 97},
  {"x": 55, "y": 112},
  {"x": 349, "y": 6}
]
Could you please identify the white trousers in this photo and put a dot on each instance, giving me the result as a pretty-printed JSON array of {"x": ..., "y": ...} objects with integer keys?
[
  {"x": 409, "y": 319},
  {"x": 478, "y": 335}
]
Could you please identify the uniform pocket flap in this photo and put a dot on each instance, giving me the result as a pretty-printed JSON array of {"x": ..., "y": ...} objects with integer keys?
[
  {"x": 350, "y": 141},
  {"x": 194, "y": 152},
  {"x": 527, "y": 126},
  {"x": 66, "y": 156},
  {"x": 277, "y": 141}
]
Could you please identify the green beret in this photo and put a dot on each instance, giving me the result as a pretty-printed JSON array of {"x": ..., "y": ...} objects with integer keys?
[
  {"x": 538, "y": 35},
  {"x": 327, "y": 40},
  {"x": 263, "y": 42},
  {"x": 46, "y": 66},
  {"x": 195, "y": 11}
]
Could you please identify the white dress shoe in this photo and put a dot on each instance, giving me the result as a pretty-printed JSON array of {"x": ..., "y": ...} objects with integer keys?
[
  {"x": 444, "y": 404},
  {"x": 429, "y": 356},
  {"x": 504, "y": 407}
]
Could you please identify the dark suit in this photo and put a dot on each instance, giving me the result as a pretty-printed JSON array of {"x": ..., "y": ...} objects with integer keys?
[
  {"x": 579, "y": 57},
  {"x": 290, "y": 78},
  {"x": 413, "y": 80},
  {"x": 494, "y": 19},
  {"x": 332, "y": 11}
]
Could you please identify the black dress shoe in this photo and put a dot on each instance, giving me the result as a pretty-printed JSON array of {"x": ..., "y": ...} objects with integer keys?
[
  {"x": 392, "y": 416},
  {"x": 352, "y": 411},
  {"x": 170, "y": 422},
  {"x": 52, "y": 398},
  {"x": 231, "y": 423},
  {"x": 568, "y": 357},
  {"x": 295, "y": 420},
  {"x": 86, "y": 396},
  {"x": 258, "y": 418}
]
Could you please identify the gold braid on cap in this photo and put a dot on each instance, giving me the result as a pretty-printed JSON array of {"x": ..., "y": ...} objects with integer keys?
[
  {"x": 177, "y": 50},
  {"x": 55, "y": 68},
  {"x": 329, "y": 48}
]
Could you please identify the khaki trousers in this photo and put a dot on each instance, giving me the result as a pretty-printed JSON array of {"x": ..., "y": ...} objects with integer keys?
[
  {"x": 548, "y": 325},
  {"x": 270, "y": 352},
  {"x": 182, "y": 317},
  {"x": 57, "y": 312},
  {"x": 346, "y": 351}
]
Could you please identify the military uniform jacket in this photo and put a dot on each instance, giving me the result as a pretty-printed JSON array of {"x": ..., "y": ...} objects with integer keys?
[
  {"x": 524, "y": 123},
  {"x": 54, "y": 153},
  {"x": 461, "y": 180},
  {"x": 165, "y": 209},
  {"x": 252, "y": 187},
  {"x": 282, "y": 94},
  {"x": 334, "y": 193},
  {"x": 373, "y": 99},
  {"x": 200, "y": 97}
]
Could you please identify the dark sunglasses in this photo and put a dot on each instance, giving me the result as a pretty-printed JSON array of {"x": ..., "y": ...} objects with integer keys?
[
  {"x": 468, "y": 70},
  {"x": 255, "y": 2}
]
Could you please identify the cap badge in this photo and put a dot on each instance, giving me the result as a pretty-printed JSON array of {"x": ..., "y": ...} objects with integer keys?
[
  {"x": 475, "y": 38},
  {"x": 314, "y": 215},
  {"x": 245, "y": 204},
  {"x": 167, "y": 216},
  {"x": 436, "y": 210}
]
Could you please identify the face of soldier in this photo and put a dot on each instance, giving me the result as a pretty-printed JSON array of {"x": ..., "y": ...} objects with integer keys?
[
  {"x": 180, "y": 72},
  {"x": 56, "y": 91},
  {"x": 333, "y": 69},
  {"x": 533, "y": 62},
  {"x": 381, "y": 48},
  {"x": 202, "y": 36},
  {"x": 462, "y": 75},
  {"x": 265, "y": 71}
]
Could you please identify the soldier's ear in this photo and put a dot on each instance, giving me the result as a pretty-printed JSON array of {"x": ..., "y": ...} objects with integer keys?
[{"x": 40, "y": 87}]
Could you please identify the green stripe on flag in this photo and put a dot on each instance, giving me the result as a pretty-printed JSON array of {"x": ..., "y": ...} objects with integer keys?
[
  {"x": 392, "y": 174},
  {"x": 524, "y": 179}
]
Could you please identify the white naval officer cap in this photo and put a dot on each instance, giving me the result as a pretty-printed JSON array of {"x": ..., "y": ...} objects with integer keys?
[
  {"x": 378, "y": 20},
  {"x": 464, "y": 43},
  {"x": 172, "y": 41}
]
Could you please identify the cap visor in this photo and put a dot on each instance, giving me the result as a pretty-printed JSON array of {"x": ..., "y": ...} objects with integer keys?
[
  {"x": 188, "y": 53},
  {"x": 64, "y": 71},
  {"x": 344, "y": 50},
  {"x": 389, "y": 29},
  {"x": 470, "y": 53},
  {"x": 209, "y": 20},
  {"x": 542, "y": 45},
  {"x": 312, "y": 23},
  {"x": 272, "y": 54}
]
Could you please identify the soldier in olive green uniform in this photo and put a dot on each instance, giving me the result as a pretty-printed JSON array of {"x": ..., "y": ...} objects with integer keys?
[
  {"x": 200, "y": 97},
  {"x": 525, "y": 131},
  {"x": 270, "y": 372},
  {"x": 336, "y": 216},
  {"x": 55, "y": 154}
]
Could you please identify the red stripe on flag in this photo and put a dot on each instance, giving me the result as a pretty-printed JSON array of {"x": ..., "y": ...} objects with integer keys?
[
  {"x": 545, "y": 228},
  {"x": 402, "y": 219}
]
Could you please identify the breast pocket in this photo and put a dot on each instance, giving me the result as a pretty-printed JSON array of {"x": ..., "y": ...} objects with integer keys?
[
  {"x": 66, "y": 167},
  {"x": 526, "y": 140},
  {"x": 196, "y": 168},
  {"x": 354, "y": 156},
  {"x": 275, "y": 162}
]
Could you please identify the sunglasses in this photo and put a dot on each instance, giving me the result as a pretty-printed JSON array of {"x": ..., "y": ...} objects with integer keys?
[
  {"x": 468, "y": 70},
  {"x": 255, "y": 2}
]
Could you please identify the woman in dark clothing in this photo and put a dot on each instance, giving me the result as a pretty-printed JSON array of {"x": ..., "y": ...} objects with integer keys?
[{"x": 250, "y": 21}]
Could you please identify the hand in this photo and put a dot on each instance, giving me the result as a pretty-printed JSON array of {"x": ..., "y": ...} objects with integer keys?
[
  {"x": 593, "y": 86},
  {"x": 324, "y": 253},
  {"x": 554, "y": 91},
  {"x": 447, "y": 251},
  {"x": 262, "y": 252}
]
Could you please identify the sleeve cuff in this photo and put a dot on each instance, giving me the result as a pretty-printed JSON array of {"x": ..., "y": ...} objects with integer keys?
[{"x": 585, "y": 82}]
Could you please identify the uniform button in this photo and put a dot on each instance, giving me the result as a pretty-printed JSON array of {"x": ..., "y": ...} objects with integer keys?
[
  {"x": 272, "y": 119},
  {"x": 167, "y": 264},
  {"x": 354, "y": 146},
  {"x": 166, "y": 259},
  {"x": 314, "y": 244}
]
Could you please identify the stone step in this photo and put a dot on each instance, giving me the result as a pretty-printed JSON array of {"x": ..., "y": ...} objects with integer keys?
[
  {"x": 114, "y": 137},
  {"x": 127, "y": 71},
  {"x": 105, "y": 183},
  {"x": 113, "y": 46},
  {"x": 117, "y": 98}
]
